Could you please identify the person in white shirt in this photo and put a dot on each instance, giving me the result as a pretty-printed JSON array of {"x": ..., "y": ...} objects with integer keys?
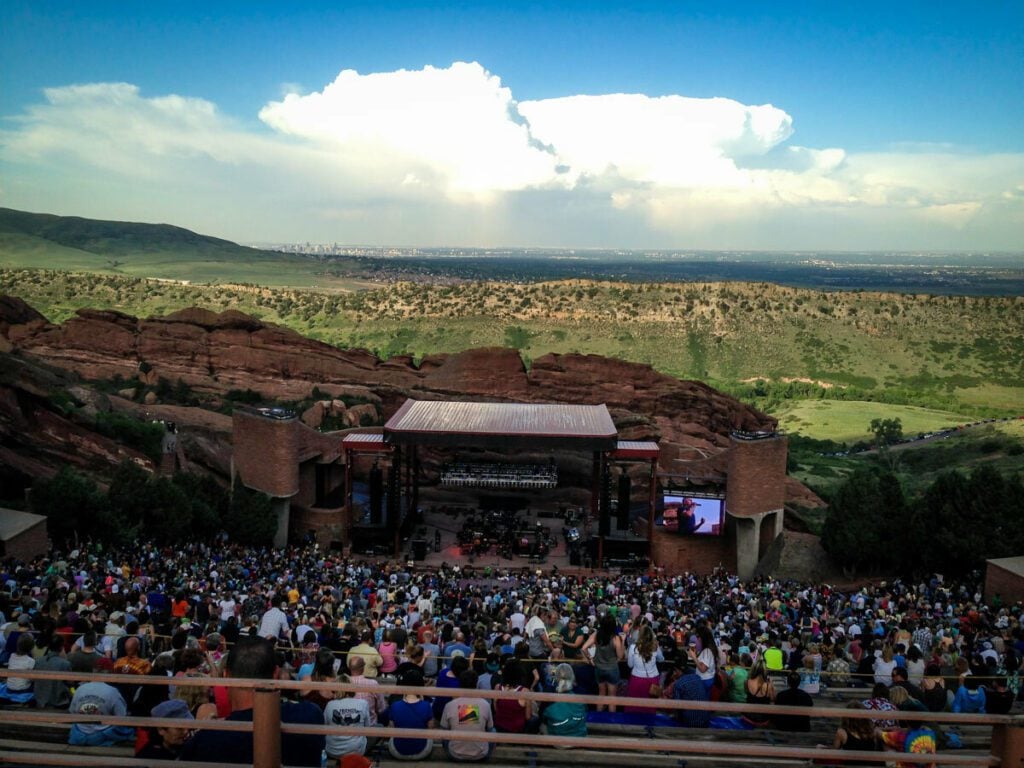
[
  {"x": 228, "y": 607},
  {"x": 274, "y": 624}
]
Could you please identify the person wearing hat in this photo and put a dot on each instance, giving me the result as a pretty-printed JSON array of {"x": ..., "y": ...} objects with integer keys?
[{"x": 165, "y": 742}]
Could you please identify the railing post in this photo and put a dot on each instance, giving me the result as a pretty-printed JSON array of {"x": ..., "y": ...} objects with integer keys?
[
  {"x": 1008, "y": 744},
  {"x": 266, "y": 728}
]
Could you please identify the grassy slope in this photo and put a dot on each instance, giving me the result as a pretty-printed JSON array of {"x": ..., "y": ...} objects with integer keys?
[
  {"x": 918, "y": 465},
  {"x": 162, "y": 251},
  {"x": 847, "y": 421}
]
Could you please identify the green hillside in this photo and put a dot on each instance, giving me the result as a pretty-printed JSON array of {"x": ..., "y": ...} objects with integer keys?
[
  {"x": 39, "y": 240},
  {"x": 767, "y": 344}
]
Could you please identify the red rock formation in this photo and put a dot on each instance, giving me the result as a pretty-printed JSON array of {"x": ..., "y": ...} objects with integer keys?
[{"x": 217, "y": 352}]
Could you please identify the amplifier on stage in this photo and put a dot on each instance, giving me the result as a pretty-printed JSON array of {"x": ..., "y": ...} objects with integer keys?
[{"x": 419, "y": 549}]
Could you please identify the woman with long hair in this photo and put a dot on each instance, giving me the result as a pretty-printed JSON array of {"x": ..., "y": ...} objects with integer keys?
[
  {"x": 760, "y": 690},
  {"x": 706, "y": 661},
  {"x": 855, "y": 734},
  {"x": 324, "y": 670},
  {"x": 608, "y": 652},
  {"x": 884, "y": 665},
  {"x": 933, "y": 685},
  {"x": 642, "y": 658},
  {"x": 388, "y": 650}
]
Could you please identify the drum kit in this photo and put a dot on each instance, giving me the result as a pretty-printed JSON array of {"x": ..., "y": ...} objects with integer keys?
[{"x": 502, "y": 530}]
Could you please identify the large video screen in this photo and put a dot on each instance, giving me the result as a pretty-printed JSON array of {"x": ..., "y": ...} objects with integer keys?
[{"x": 692, "y": 515}]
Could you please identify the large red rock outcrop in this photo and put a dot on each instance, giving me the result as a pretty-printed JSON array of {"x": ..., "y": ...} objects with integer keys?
[{"x": 217, "y": 352}]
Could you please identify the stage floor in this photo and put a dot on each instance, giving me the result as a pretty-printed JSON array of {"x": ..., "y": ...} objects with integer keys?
[{"x": 449, "y": 525}]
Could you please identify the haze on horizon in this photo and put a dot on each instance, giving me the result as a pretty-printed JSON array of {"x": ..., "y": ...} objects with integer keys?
[{"x": 672, "y": 126}]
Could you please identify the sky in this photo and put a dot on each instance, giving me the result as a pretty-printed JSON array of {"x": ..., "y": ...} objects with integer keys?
[{"x": 786, "y": 126}]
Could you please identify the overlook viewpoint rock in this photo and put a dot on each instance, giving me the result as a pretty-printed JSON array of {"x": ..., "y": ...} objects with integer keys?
[{"x": 218, "y": 352}]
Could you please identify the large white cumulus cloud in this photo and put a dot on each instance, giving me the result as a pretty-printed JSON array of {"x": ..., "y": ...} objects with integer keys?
[
  {"x": 448, "y": 155},
  {"x": 459, "y": 122},
  {"x": 671, "y": 140}
]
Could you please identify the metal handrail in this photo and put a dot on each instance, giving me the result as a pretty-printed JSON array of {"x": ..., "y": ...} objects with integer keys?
[{"x": 1007, "y": 743}]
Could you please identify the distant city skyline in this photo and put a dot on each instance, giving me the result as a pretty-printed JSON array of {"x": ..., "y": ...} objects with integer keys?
[{"x": 591, "y": 125}]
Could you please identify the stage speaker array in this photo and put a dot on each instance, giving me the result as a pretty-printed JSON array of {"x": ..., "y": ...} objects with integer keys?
[
  {"x": 605, "y": 502},
  {"x": 394, "y": 497},
  {"x": 376, "y": 495},
  {"x": 625, "y": 492}
]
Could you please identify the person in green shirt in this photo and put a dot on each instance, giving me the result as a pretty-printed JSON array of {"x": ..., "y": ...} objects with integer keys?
[
  {"x": 565, "y": 718},
  {"x": 737, "y": 672},
  {"x": 774, "y": 660}
]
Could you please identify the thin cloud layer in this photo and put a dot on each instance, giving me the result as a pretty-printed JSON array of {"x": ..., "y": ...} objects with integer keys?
[{"x": 448, "y": 156}]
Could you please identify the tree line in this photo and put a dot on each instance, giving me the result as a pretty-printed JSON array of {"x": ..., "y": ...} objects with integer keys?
[
  {"x": 956, "y": 524},
  {"x": 139, "y": 505}
]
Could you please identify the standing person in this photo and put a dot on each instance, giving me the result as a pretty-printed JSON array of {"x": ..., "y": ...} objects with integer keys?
[
  {"x": 274, "y": 624},
  {"x": 642, "y": 658},
  {"x": 608, "y": 652},
  {"x": 468, "y": 713},
  {"x": 254, "y": 657}
]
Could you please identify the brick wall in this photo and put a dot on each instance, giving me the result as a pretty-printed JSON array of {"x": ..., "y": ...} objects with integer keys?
[
  {"x": 756, "y": 476},
  {"x": 266, "y": 453},
  {"x": 328, "y": 525},
  {"x": 1008, "y": 585},
  {"x": 29, "y": 543},
  {"x": 698, "y": 554}
]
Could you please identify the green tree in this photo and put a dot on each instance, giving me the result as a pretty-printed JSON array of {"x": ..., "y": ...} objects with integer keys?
[
  {"x": 886, "y": 431},
  {"x": 208, "y": 499},
  {"x": 866, "y": 522},
  {"x": 961, "y": 521},
  {"x": 72, "y": 504},
  {"x": 250, "y": 518}
]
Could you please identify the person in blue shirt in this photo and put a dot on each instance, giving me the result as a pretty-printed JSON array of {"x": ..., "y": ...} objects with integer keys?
[
  {"x": 689, "y": 687},
  {"x": 970, "y": 697}
]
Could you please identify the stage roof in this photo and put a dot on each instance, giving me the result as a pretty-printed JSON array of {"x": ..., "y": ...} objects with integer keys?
[
  {"x": 498, "y": 425},
  {"x": 365, "y": 441},
  {"x": 635, "y": 449}
]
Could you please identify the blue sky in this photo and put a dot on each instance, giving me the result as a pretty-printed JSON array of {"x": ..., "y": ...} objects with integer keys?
[{"x": 884, "y": 83}]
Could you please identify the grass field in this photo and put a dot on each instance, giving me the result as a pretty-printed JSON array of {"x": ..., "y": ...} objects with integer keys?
[{"x": 847, "y": 422}]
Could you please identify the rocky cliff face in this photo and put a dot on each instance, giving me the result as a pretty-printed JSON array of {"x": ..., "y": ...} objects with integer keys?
[{"x": 216, "y": 353}]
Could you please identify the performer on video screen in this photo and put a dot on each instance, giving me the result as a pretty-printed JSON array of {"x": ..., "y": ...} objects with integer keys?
[{"x": 688, "y": 522}]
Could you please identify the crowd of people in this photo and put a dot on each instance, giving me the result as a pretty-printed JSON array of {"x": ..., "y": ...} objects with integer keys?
[{"x": 206, "y": 611}]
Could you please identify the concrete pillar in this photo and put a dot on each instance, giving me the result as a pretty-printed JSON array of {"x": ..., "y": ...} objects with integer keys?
[
  {"x": 748, "y": 539},
  {"x": 780, "y": 518},
  {"x": 282, "y": 509}
]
